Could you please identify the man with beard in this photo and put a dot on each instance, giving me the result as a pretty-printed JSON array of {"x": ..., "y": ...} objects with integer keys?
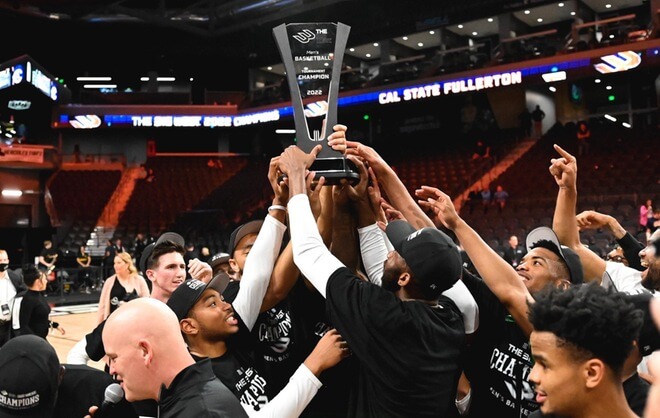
[
  {"x": 498, "y": 361},
  {"x": 607, "y": 273},
  {"x": 406, "y": 336}
]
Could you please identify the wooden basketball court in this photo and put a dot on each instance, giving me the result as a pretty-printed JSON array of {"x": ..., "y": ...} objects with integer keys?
[{"x": 77, "y": 321}]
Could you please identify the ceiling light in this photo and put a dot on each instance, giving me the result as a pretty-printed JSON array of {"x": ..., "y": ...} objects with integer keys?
[
  {"x": 490, "y": 19},
  {"x": 608, "y": 117},
  {"x": 560, "y": 4},
  {"x": 539, "y": 20},
  {"x": 93, "y": 78},
  {"x": 608, "y": 6},
  {"x": 11, "y": 193},
  {"x": 368, "y": 55},
  {"x": 352, "y": 49},
  {"x": 460, "y": 26},
  {"x": 527, "y": 12},
  {"x": 420, "y": 44},
  {"x": 474, "y": 33},
  {"x": 573, "y": 13},
  {"x": 611, "y": 36},
  {"x": 608, "y": 88},
  {"x": 597, "y": 80},
  {"x": 99, "y": 86},
  {"x": 269, "y": 68},
  {"x": 405, "y": 38},
  {"x": 552, "y": 89},
  {"x": 375, "y": 43},
  {"x": 431, "y": 32},
  {"x": 626, "y": 125}
]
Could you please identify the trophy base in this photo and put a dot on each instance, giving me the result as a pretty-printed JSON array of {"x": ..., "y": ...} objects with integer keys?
[{"x": 335, "y": 169}]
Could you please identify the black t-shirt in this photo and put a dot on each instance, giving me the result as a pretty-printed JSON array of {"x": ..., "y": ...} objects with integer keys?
[
  {"x": 237, "y": 369},
  {"x": 310, "y": 323},
  {"x": 83, "y": 386},
  {"x": 275, "y": 341},
  {"x": 408, "y": 351},
  {"x": 33, "y": 311},
  {"x": 48, "y": 255},
  {"x": 498, "y": 361}
]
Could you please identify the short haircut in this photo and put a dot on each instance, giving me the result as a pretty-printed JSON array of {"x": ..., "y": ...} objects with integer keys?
[
  {"x": 550, "y": 246},
  {"x": 164, "y": 247},
  {"x": 591, "y": 320},
  {"x": 30, "y": 274}
]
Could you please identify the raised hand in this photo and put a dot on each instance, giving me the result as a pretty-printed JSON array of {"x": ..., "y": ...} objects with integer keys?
[
  {"x": 337, "y": 139},
  {"x": 330, "y": 350},
  {"x": 314, "y": 193},
  {"x": 200, "y": 270},
  {"x": 435, "y": 200},
  {"x": 564, "y": 169},
  {"x": 590, "y": 219},
  {"x": 279, "y": 186},
  {"x": 368, "y": 154}
]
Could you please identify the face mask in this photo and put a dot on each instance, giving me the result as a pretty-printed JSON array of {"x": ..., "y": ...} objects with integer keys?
[{"x": 3, "y": 266}]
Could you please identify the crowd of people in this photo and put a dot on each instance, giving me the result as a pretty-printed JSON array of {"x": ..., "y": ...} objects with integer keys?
[{"x": 355, "y": 300}]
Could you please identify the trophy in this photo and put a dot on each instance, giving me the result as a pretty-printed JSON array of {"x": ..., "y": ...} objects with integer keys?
[{"x": 312, "y": 54}]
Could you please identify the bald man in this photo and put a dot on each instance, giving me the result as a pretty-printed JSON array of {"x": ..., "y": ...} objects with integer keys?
[{"x": 151, "y": 361}]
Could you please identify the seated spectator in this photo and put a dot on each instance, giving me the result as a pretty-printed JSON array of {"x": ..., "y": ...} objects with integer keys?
[
  {"x": 481, "y": 150},
  {"x": 486, "y": 197},
  {"x": 500, "y": 197}
]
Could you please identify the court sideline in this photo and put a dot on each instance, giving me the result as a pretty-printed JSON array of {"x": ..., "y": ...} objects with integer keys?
[{"x": 77, "y": 320}]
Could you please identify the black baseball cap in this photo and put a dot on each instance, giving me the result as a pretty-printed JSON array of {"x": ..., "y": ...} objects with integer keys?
[
  {"x": 241, "y": 231},
  {"x": 149, "y": 249},
  {"x": 29, "y": 377},
  {"x": 430, "y": 253},
  {"x": 649, "y": 336},
  {"x": 218, "y": 259},
  {"x": 570, "y": 257},
  {"x": 188, "y": 293}
]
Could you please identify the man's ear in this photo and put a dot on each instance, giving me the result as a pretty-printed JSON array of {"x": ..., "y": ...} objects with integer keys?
[
  {"x": 594, "y": 372},
  {"x": 146, "y": 351},
  {"x": 234, "y": 265},
  {"x": 404, "y": 279},
  {"x": 189, "y": 326},
  {"x": 150, "y": 275}
]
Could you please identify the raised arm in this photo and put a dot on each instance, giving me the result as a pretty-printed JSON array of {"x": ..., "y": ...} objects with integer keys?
[
  {"x": 258, "y": 269},
  {"x": 590, "y": 219},
  {"x": 564, "y": 223},
  {"x": 310, "y": 254},
  {"x": 499, "y": 276},
  {"x": 389, "y": 182}
]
